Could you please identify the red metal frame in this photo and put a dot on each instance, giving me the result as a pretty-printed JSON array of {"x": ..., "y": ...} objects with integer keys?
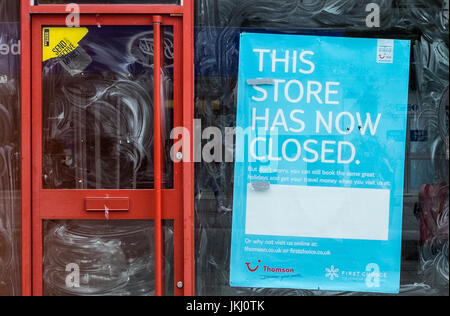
[
  {"x": 176, "y": 204},
  {"x": 157, "y": 20}
]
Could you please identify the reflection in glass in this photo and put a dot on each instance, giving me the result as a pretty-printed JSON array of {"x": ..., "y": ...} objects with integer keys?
[
  {"x": 434, "y": 225},
  {"x": 109, "y": 1}
]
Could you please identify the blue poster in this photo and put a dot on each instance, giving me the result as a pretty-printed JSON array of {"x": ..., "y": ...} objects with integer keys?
[{"x": 319, "y": 166}]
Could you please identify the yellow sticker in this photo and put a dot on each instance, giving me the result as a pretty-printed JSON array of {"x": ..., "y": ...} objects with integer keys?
[{"x": 60, "y": 41}]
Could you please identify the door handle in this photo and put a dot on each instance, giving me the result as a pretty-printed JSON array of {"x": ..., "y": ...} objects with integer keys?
[{"x": 111, "y": 204}]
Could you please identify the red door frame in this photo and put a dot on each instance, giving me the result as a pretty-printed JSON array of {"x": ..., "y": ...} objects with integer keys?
[{"x": 166, "y": 202}]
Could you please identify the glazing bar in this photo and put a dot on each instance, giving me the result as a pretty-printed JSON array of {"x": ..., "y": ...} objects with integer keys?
[{"x": 158, "y": 151}]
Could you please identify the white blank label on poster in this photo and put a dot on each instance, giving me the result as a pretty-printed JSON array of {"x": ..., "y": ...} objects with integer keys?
[{"x": 318, "y": 212}]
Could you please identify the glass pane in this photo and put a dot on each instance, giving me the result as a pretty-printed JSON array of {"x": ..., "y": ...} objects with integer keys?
[
  {"x": 96, "y": 258},
  {"x": 424, "y": 259},
  {"x": 168, "y": 275},
  {"x": 98, "y": 107},
  {"x": 110, "y": 1},
  {"x": 10, "y": 220}
]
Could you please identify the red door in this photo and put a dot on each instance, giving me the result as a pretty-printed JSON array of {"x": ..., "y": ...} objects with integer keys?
[{"x": 108, "y": 215}]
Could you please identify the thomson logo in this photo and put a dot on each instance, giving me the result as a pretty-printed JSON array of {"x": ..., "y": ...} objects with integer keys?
[{"x": 253, "y": 268}]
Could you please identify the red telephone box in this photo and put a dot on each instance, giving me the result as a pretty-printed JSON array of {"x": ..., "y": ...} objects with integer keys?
[{"x": 105, "y": 210}]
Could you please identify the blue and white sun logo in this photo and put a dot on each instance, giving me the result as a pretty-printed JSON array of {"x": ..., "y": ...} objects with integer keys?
[{"x": 332, "y": 273}]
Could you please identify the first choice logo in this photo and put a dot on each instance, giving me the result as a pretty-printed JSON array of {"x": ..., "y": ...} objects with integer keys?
[{"x": 371, "y": 275}]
